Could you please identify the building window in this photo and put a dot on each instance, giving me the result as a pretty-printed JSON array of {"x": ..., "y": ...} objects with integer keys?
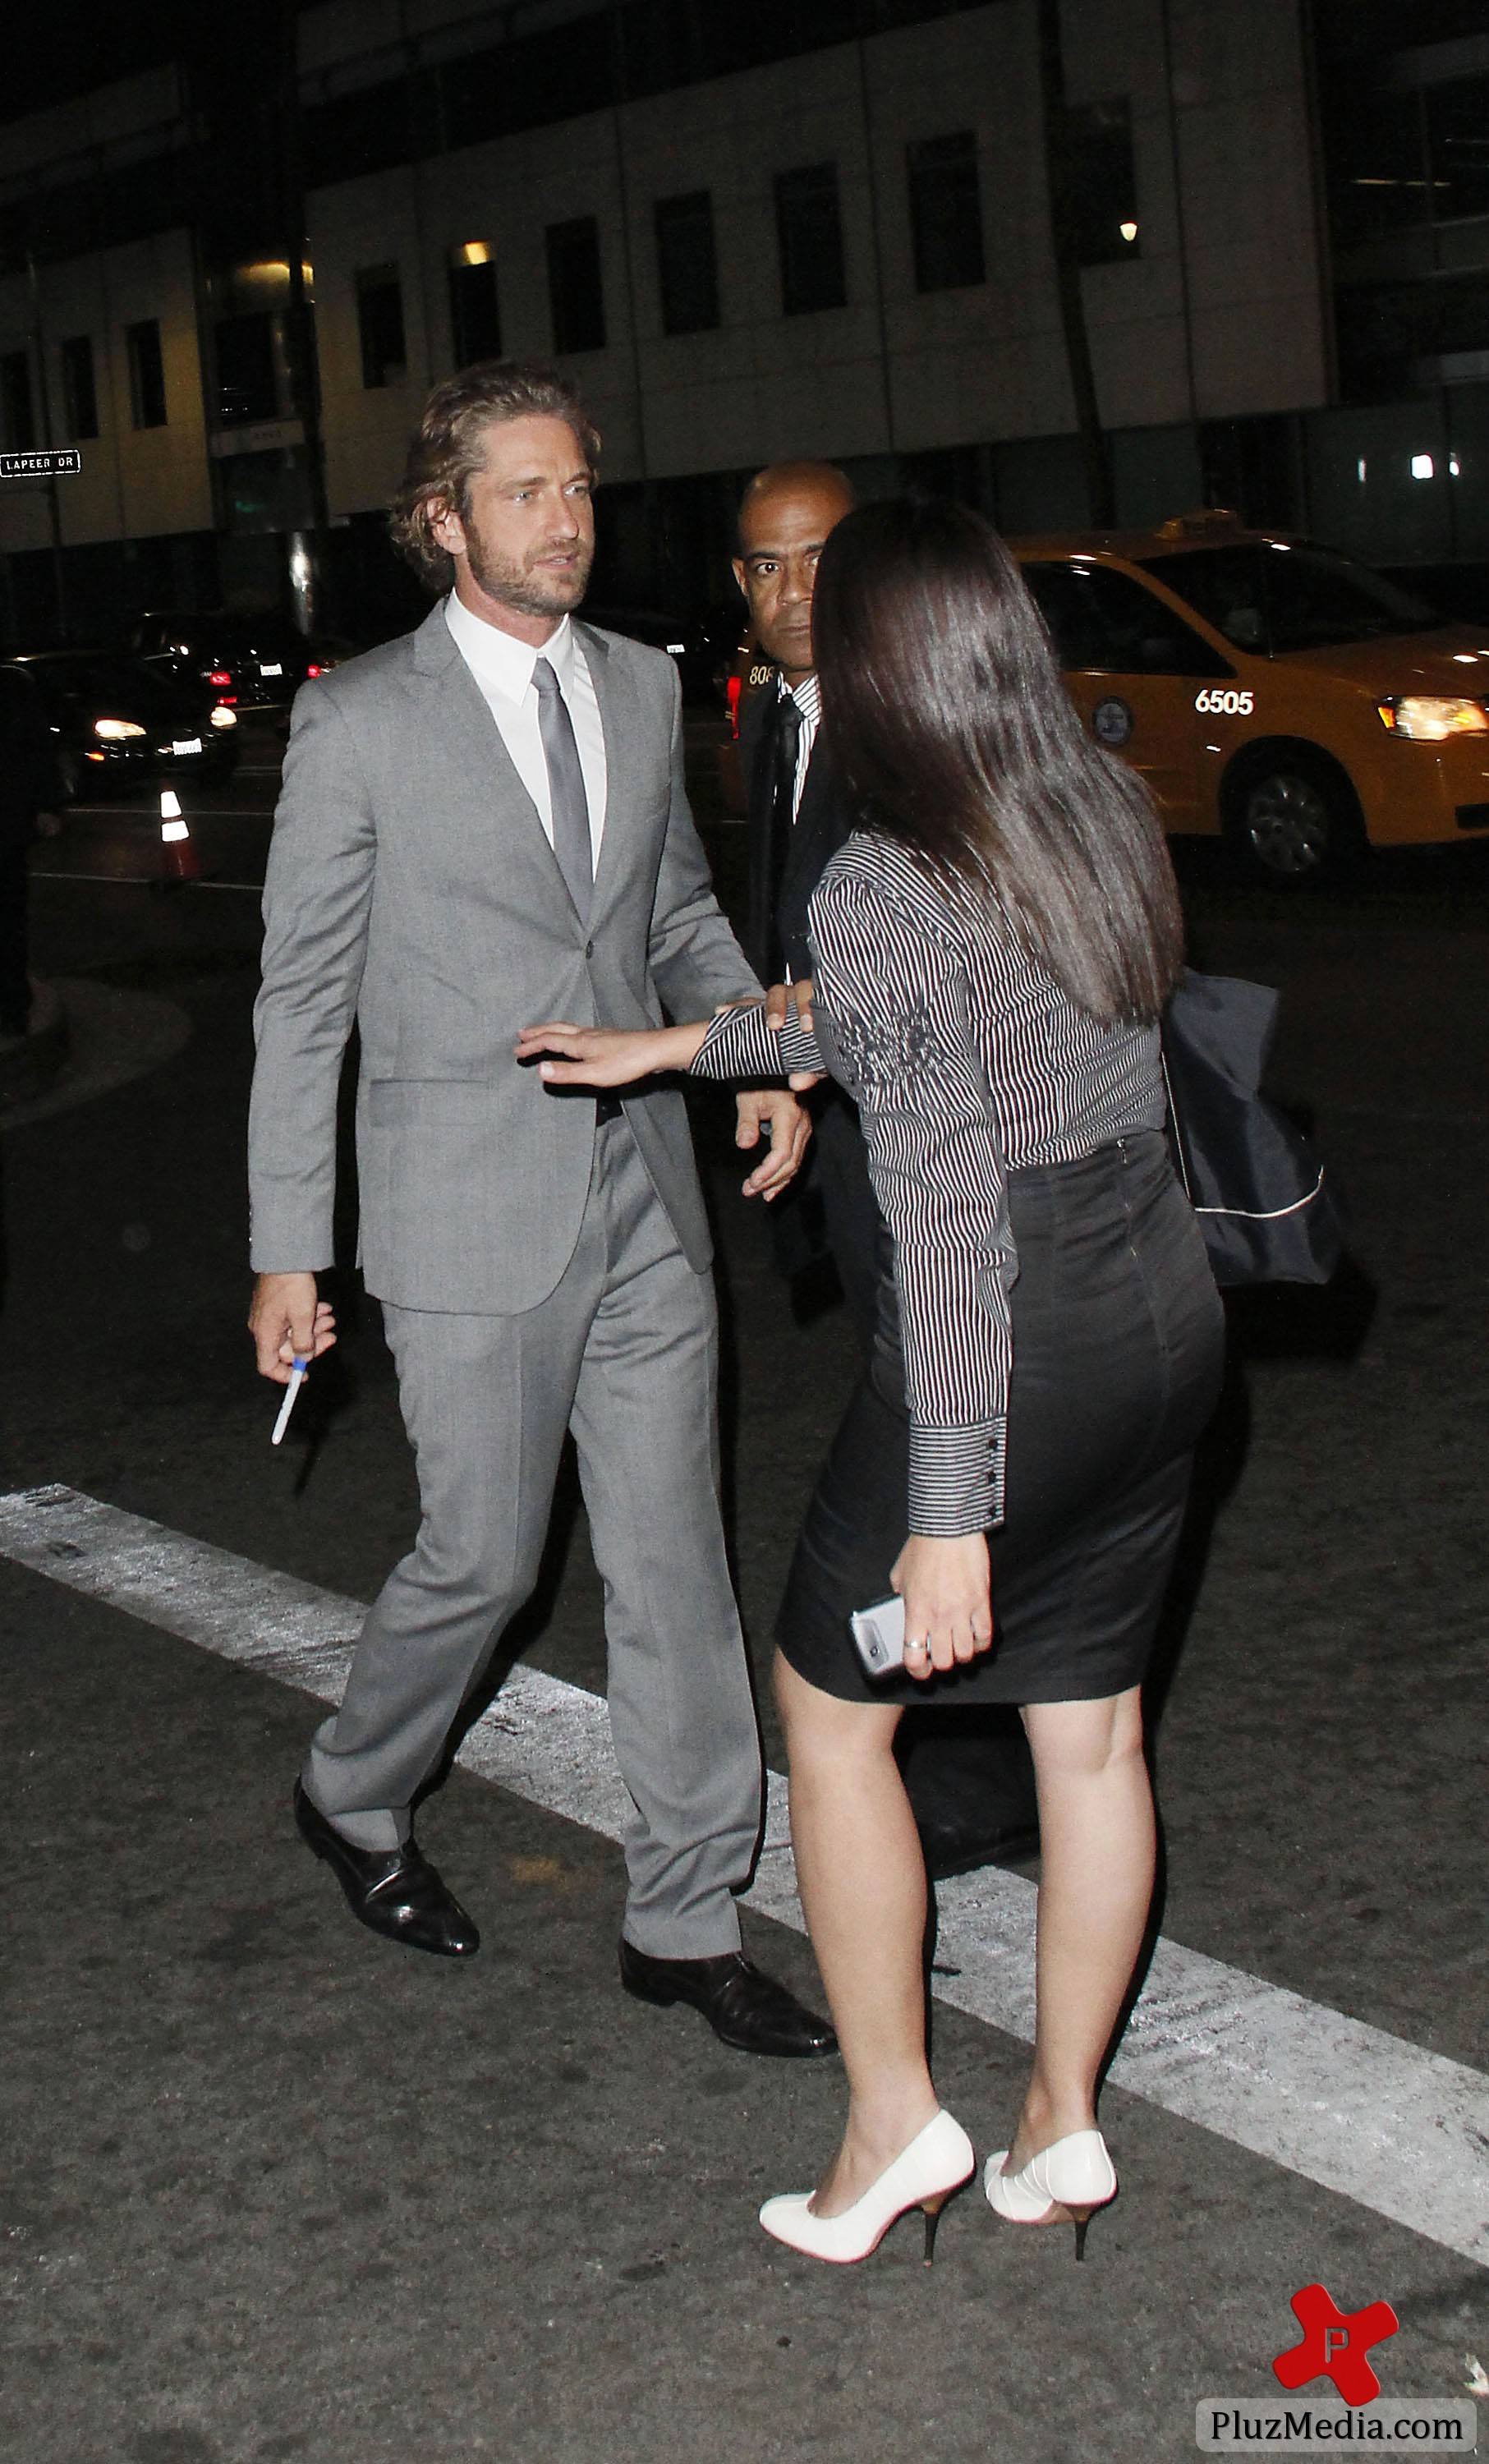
[
  {"x": 809, "y": 233},
  {"x": 1457, "y": 148},
  {"x": 18, "y": 416},
  {"x": 474, "y": 316},
  {"x": 1103, "y": 181},
  {"x": 946, "y": 211},
  {"x": 687, "y": 262},
  {"x": 574, "y": 290},
  {"x": 380, "y": 326},
  {"x": 146, "y": 373},
  {"x": 79, "y": 393},
  {"x": 247, "y": 390}
]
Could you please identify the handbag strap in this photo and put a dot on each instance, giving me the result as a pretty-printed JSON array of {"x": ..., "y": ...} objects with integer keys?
[{"x": 1177, "y": 1140}]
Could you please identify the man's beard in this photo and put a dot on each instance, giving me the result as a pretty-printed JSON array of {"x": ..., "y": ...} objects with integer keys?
[{"x": 525, "y": 592}]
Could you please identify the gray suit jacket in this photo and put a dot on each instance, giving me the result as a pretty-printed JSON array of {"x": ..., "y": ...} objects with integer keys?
[{"x": 411, "y": 886}]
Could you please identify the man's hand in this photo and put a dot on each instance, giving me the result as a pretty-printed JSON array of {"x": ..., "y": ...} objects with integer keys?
[
  {"x": 790, "y": 1128},
  {"x": 287, "y": 1318},
  {"x": 778, "y": 1003},
  {"x": 946, "y": 1588},
  {"x": 49, "y": 824}
]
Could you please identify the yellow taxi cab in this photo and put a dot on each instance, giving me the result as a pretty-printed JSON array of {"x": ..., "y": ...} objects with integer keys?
[{"x": 1269, "y": 689}]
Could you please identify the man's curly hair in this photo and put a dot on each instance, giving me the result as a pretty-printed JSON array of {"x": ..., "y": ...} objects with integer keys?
[{"x": 448, "y": 450}]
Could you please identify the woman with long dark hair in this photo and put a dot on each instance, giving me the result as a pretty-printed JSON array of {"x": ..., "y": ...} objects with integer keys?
[{"x": 994, "y": 949}]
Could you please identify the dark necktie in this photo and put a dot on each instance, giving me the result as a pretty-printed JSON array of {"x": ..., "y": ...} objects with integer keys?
[
  {"x": 571, "y": 840},
  {"x": 782, "y": 740}
]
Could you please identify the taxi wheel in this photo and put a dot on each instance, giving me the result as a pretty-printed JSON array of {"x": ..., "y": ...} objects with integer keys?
[{"x": 1293, "y": 820}]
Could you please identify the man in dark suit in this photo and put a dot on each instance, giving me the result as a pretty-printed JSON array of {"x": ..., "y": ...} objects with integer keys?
[{"x": 969, "y": 1773}]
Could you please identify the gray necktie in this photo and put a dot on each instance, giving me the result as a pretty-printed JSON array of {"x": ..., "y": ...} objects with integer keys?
[{"x": 571, "y": 841}]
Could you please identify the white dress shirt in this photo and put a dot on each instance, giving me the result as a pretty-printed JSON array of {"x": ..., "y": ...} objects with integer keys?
[
  {"x": 503, "y": 667},
  {"x": 809, "y": 698}
]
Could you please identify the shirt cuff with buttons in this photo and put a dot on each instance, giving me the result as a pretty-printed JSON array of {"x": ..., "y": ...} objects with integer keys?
[
  {"x": 956, "y": 1479},
  {"x": 739, "y": 1045}
]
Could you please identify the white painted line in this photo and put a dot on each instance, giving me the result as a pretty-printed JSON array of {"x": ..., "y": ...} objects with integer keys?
[{"x": 1395, "y": 2128}]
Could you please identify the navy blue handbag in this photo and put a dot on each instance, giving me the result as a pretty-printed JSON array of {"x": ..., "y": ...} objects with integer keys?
[{"x": 1257, "y": 1188}]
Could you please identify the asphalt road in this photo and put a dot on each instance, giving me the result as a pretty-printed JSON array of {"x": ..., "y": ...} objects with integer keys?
[{"x": 272, "y": 2190}]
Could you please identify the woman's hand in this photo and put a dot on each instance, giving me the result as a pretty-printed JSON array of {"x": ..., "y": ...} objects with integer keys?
[
  {"x": 609, "y": 1056},
  {"x": 948, "y": 1601}
]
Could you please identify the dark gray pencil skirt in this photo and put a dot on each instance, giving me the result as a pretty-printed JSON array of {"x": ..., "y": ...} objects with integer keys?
[{"x": 1118, "y": 1342}]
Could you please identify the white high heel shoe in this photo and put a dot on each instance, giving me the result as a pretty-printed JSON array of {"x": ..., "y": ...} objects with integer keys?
[
  {"x": 937, "y": 2161},
  {"x": 1075, "y": 2177}
]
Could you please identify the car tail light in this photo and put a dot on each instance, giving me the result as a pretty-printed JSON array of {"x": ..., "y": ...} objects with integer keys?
[
  {"x": 311, "y": 670},
  {"x": 219, "y": 676}
]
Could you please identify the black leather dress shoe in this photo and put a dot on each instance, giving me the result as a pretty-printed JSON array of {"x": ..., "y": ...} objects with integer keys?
[
  {"x": 395, "y": 1891},
  {"x": 744, "y": 2008}
]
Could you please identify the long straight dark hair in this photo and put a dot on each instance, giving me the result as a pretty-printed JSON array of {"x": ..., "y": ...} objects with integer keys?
[{"x": 950, "y": 725}]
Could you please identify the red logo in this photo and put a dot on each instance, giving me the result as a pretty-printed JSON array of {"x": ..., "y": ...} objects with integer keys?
[{"x": 1335, "y": 2343}]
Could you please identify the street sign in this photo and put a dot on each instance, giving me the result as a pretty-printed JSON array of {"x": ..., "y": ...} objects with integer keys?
[{"x": 62, "y": 462}]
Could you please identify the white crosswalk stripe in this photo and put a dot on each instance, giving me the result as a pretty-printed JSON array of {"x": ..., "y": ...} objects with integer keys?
[{"x": 1396, "y": 2129}]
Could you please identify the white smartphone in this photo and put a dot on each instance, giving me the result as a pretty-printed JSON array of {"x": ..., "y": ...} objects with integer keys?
[{"x": 879, "y": 1636}]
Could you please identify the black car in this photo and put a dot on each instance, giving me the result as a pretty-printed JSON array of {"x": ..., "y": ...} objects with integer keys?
[
  {"x": 115, "y": 722},
  {"x": 245, "y": 662}
]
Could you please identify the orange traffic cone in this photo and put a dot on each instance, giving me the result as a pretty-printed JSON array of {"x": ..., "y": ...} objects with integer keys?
[{"x": 178, "y": 860}]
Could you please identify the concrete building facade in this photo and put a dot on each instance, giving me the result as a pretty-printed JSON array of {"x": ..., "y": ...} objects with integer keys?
[
  {"x": 1216, "y": 313},
  {"x": 819, "y": 229}
]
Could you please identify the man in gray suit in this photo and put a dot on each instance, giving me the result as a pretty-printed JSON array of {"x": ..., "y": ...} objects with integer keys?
[{"x": 484, "y": 823}]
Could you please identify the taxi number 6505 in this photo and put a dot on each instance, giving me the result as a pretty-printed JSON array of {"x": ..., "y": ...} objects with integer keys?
[{"x": 1233, "y": 704}]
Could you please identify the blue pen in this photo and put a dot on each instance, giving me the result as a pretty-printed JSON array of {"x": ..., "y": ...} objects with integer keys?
[{"x": 296, "y": 1381}]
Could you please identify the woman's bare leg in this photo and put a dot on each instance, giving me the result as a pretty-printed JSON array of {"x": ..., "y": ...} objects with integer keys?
[
  {"x": 862, "y": 1882},
  {"x": 1096, "y": 1881}
]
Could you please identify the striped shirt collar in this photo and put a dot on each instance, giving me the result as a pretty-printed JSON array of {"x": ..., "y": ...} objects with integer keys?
[{"x": 807, "y": 696}]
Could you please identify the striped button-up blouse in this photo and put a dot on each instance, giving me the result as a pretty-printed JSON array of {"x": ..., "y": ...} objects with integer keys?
[{"x": 967, "y": 1061}]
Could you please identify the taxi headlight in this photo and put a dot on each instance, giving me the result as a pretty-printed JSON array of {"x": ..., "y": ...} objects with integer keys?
[
  {"x": 1430, "y": 718},
  {"x": 223, "y": 717},
  {"x": 114, "y": 730}
]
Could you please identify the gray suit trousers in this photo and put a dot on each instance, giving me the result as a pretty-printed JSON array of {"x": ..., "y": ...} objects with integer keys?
[{"x": 624, "y": 1353}]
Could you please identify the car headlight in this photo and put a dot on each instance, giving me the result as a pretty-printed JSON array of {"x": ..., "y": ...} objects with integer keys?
[
  {"x": 114, "y": 730},
  {"x": 1430, "y": 718},
  {"x": 223, "y": 717}
]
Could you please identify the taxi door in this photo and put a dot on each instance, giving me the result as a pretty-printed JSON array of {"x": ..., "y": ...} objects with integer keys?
[{"x": 1132, "y": 668}]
